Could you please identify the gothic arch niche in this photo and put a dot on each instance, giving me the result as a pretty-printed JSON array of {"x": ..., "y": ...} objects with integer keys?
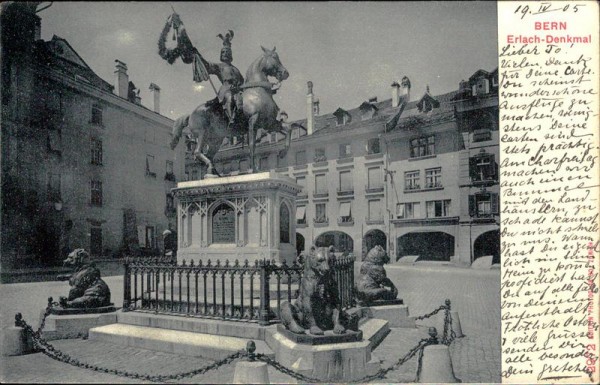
[
  {"x": 222, "y": 223},
  {"x": 285, "y": 229},
  {"x": 487, "y": 243}
]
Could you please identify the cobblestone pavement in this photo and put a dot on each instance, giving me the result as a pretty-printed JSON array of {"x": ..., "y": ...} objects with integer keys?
[{"x": 476, "y": 357}]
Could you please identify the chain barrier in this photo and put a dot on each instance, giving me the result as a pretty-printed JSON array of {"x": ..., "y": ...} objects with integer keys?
[{"x": 46, "y": 348}]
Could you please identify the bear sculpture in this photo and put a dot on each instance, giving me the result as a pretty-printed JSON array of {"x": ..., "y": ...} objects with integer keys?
[
  {"x": 316, "y": 307},
  {"x": 373, "y": 283},
  {"x": 88, "y": 290}
]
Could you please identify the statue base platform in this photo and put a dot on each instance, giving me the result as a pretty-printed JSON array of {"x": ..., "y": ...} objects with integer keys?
[
  {"x": 250, "y": 216},
  {"x": 395, "y": 313},
  {"x": 57, "y": 310},
  {"x": 328, "y": 338},
  {"x": 76, "y": 325},
  {"x": 397, "y": 301},
  {"x": 330, "y": 362}
]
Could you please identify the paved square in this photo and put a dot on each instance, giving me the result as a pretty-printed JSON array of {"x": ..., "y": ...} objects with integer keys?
[{"x": 476, "y": 357}]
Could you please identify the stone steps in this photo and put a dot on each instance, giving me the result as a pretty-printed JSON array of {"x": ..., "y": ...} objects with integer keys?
[
  {"x": 174, "y": 341},
  {"x": 218, "y": 327}
]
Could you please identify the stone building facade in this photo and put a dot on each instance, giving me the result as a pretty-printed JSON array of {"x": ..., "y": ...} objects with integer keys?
[
  {"x": 418, "y": 176},
  {"x": 84, "y": 163}
]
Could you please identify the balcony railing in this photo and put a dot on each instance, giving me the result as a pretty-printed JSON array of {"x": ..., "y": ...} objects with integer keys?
[
  {"x": 345, "y": 221},
  {"x": 373, "y": 189},
  {"x": 321, "y": 222},
  {"x": 232, "y": 291},
  {"x": 345, "y": 192}
]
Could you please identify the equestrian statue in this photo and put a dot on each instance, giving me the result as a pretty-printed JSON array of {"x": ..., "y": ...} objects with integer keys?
[{"x": 241, "y": 108}]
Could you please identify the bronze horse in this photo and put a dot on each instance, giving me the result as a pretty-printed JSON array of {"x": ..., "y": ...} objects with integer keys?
[{"x": 208, "y": 123}]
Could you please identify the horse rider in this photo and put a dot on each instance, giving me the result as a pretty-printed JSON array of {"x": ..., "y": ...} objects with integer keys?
[{"x": 231, "y": 78}]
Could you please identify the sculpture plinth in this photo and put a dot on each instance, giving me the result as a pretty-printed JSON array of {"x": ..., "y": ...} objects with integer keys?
[{"x": 239, "y": 217}]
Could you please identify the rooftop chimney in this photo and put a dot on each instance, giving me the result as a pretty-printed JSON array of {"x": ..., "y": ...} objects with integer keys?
[
  {"x": 121, "y": 79},
  {"x": 156, "y": 92},
  {"x": 373, "y": 99},
  {"x": 395, "y": 94},
  {"x": 310, "y": 114}
]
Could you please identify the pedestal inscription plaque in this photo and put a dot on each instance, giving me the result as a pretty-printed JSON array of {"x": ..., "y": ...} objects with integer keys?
[{"x": 223, "y": 224}]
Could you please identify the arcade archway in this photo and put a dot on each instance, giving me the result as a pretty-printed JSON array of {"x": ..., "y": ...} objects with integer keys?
[
  {"x": 374, "y": 238},
  {"x": 487, "y": 243},
  {"x": 430, "y": 246},
  {"x": 341, "y": 241}
]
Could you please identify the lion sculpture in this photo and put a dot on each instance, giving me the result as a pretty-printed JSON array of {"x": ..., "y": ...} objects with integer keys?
[
  {"x": 373, "y": 283},
  {"x": 316, "y": 307},
  {"x": 88, "y": 290}
]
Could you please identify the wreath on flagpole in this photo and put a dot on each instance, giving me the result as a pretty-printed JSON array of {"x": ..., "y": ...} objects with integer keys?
[{"x": 184, "y": 47}]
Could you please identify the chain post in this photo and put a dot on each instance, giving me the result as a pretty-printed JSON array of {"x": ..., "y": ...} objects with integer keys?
[
  {"x": 250, "y": 349},
  {"x": 264, "y": 293}
]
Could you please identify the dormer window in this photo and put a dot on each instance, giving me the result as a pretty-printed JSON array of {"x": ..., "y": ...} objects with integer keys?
[
  {"x": 342, "y": 117},
  {"x": 368, "y": 109},
  {"x": 427, "y": 102}
]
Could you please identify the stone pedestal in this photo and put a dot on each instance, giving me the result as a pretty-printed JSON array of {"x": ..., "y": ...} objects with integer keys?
[
  {"x": 251, "y": 373},
  {"x": 239, "y": 217},
  {"x": 15, "y": 342},
  {"x": 334, "y": 362},
  {"x": 75, "y": 325}
]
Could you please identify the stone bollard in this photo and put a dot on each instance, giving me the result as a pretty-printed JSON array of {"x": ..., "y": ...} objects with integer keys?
[
  {"x": 456, "y": 328},
  {"x": 251, "y": 371},
  {"x": 436, "y": 365},
  {"x": 14, "y": 340}
]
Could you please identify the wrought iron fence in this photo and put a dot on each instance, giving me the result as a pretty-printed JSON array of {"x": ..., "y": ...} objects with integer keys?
[{"x": 251, "y": 292}]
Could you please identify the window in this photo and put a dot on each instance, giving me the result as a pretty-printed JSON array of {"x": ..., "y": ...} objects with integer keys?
[
  {"x": 150, "y": 237},
  {"x": 53, "y": 187},
  {"x": 436, "y": 209},
  {"x": 96, "y": 114},
  {"x": 300, "y": 158},
  {"x": 170, "y": 205},
  {"x": 433, "y": 177},
  {"x": 346, "y": 212},
  {"x": 96, "y": 190},
  {"x": 321, "y": 213},
  {"x": 482, "y": 135},
  {"x": 301, "y": 215},
  {"x": 346, "y": 181},
  {"x": 341, "y": 119},
  {"x": 374, "y": 178},
  {"x": 320, "y": 155},
  {"x": 408, "y": 210},
  {"x": 482, "y": 167},
  {"x": 375, "y": 210},
  {"x": 321, "y": 184},
  {"x": 192, "y": 172},
  {"x": 263, "y": 163},
  {"x": 412, "y": 180},
  {"x": 150, "y": 166},
  {"x": 424, "y": 146},
  {"x": 345, "y": 150},
  {"x": 483, "y": 205},
  {"x": 96, "y": 151},
  {"x": 301, "y": 180},
  {"x": 373, "y": 146}
]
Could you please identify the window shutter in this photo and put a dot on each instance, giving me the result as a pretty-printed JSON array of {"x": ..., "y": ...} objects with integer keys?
[
  {"x": 492, "y": 166},
  {"x": 495, "y": 204},
  {"x": 472, "y": 206},
  {"x": 473, "y": 168}
]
